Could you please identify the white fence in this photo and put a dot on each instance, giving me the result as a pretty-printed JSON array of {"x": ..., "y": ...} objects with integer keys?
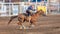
[
  {"x": 9, "y": 9},
  {"x": 54, "y": 8},
  {"x": 13, "y": 9}
]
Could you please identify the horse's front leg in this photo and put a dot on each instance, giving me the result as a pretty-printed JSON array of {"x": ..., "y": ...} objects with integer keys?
[{"x": 32, "y": 24}]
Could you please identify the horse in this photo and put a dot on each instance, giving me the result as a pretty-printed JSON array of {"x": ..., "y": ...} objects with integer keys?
[{"x": 31, "y": 19}]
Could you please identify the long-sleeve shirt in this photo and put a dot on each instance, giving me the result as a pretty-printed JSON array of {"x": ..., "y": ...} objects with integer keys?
[{"x": 31, "y": 8}]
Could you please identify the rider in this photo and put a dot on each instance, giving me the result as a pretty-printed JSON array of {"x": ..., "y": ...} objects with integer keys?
[{"x": 30, "y": 10}]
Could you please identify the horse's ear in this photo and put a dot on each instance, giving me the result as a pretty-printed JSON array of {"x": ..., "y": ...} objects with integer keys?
[{"x": 40, "y": 10}]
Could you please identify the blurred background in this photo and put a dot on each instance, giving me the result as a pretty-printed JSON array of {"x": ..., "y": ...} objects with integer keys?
[{"x": 14, "y": 7}]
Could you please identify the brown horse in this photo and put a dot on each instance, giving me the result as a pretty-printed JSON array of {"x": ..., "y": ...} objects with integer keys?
[{"x": 32, "y": 19}]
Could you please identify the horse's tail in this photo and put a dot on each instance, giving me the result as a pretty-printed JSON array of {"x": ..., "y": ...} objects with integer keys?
[{"x": 12, "y": 19}]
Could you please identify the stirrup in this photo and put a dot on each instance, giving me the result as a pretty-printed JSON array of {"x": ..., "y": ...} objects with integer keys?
[{"x": 29, "y": 18}]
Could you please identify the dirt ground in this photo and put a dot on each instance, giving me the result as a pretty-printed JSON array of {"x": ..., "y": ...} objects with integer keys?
[{"x": 49, "y": 24}]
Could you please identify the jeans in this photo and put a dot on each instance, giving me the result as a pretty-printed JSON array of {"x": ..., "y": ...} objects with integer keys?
[{"x": 28, "y": 13}]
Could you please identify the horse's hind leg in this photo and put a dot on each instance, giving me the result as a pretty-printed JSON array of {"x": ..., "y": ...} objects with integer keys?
[
  {"x": 20, "y": 23},
  {"x": 21, "y": 26}
]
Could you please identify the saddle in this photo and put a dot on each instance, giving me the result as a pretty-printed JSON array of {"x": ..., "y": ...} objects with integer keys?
[{"x": 26, "y": 14}]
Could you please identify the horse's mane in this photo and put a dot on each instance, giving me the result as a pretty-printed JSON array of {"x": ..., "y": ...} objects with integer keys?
[{"x": 25, "y": 14}]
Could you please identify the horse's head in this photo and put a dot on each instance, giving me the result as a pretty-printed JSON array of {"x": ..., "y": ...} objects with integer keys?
[{"x": 41, "y": 12}]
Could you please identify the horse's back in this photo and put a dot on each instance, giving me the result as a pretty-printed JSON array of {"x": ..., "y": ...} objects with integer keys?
[{"x": 22, "y": 14}]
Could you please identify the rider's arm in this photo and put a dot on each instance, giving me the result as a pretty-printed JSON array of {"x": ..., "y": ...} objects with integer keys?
[{"x": 30, "y": 8}]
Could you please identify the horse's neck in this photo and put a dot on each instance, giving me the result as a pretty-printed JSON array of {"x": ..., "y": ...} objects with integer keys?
[{"x": 36, "y": 14}]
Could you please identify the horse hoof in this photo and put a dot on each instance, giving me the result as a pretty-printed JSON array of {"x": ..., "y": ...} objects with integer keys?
[
  {"x": 20, "y": 28},
  {"x": 32, "y": 25},
  {"x": 24, "y": 28}
]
